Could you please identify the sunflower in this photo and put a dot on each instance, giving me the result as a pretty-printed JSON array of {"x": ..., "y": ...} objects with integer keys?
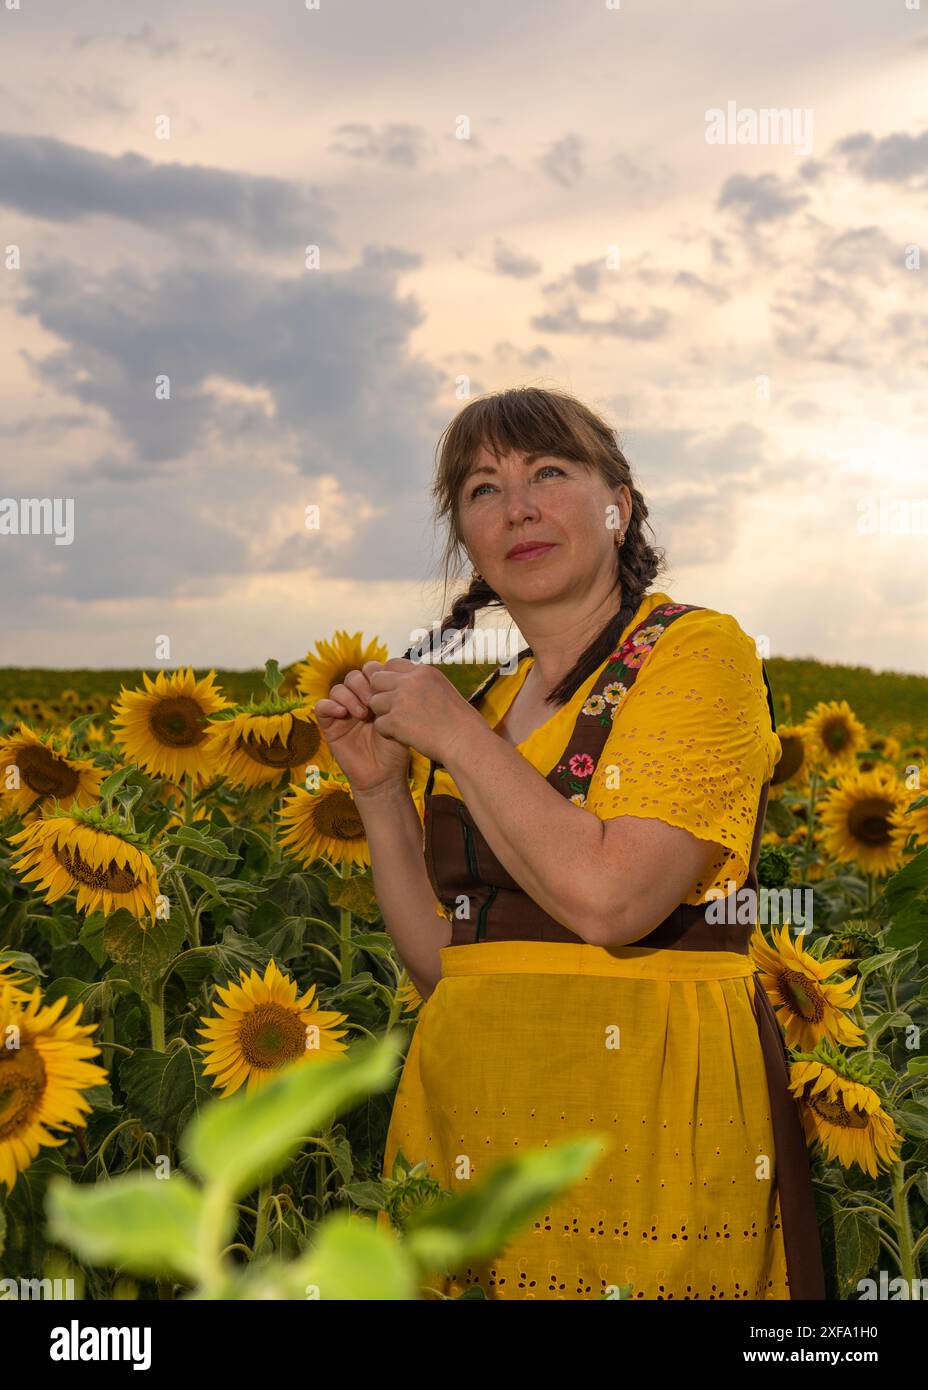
[
  {"x": 833, "y": 734},
  {"x": 326, "y": 822},
  {"x": 165, "y": 727},
  {"x": 332, "y": 661},
  {"x": 12, "y": 979},
  {"x": 407, "y": 993},
  {"x": 854, "y": 939},
  {"x": 793, "y": 763},
  {"x": 262, "y": 1027},
  {"x": 255, "y": 747},
  {"x": 808, "y": 1005},
  {"x": 886, "y": 746},
  {"x": 44, "y": 771},
  {"x": 842, "y": 1113},
  {"x": 41, "y": 1079},
  {"x": 859, "y": 821},
  {"x": 870, "y": 763},
  {"x": 90, "y": 853},
  {"x": 94, "y": 733},
  {"x": 912, "y": 822}
]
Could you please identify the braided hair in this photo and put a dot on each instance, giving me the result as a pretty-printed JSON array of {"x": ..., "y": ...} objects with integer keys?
[{"x": 531, "y": 419}]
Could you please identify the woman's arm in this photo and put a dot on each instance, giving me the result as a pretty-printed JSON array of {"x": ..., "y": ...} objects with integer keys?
[
  {"x": 611, "y": 882},
  {"x": 401, "y": 884}
]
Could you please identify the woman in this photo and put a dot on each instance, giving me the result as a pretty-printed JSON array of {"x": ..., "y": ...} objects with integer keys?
[{"x": 571, "y": 819}]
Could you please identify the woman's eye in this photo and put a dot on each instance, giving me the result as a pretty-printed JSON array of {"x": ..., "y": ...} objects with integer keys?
[{"x": 545, "y": 468}]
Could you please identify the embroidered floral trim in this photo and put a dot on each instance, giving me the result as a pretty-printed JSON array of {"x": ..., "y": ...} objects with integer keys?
[{"x": 572, "y": 777}]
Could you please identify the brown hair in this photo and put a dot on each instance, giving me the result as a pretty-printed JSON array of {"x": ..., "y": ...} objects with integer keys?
[{"x": 529, "y": 418}]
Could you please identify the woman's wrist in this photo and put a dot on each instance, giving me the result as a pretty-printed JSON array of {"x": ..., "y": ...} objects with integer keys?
[{"x": 390, "y": 789}]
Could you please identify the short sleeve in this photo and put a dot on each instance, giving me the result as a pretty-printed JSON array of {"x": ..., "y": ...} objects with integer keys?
[{"x": 692, "y": 742}]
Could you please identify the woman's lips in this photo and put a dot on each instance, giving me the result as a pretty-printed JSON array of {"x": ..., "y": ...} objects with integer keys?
[{"x": 533, "y": 553}]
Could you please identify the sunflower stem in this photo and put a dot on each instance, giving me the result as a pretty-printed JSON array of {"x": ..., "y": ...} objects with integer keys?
[
  {"x": 156, "y": 1017},
  {"x": 903, "y": 1224},
  {"x": 320, "y": 1180},
  {"x": 188, "y": 798},
  {"x": 870, "y": 893},
  {"x": 264, "y": 1201},
  {"x": 884, "y": 1212},
  {"x": 812, "y": 790},
  {"x": 859, "y": 1015},
  {"x": 916, "y": 1248},
  {"x": 344, "y": 923},
  {"x": 193, "y": 921}
]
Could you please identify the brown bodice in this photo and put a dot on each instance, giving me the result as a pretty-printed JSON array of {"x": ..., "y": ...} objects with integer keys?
[{"x": 460, "y": 862}]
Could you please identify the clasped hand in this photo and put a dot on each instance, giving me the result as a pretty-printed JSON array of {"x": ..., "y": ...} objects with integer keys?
[{"x": 372, "y": 718}]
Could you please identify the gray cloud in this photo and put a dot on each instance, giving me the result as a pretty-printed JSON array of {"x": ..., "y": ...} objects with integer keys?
[
  {"x": 329, "y": 348},
  {"x": 896, "y": 158},
  {"x": 516, "y": 264},
  {"x": 399, "y": 143},
  {"x": 765, "y": 198},
  {"x": 639, "y": 324},
  {"x": 564, "y": 160},
  {"x": 61, "y": 182},
  {"x": 146, "y": 41},
  {"x": 687, "y": 280}
]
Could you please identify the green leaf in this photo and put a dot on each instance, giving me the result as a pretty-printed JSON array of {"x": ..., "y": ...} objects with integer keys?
[
  {"x": 141, "y": 1223},
  {"x": 191, "y": 838},
  {"x": 91, "y": 936},
  {"x": 368, "y": 1195},
  {"x": 26, "y": 1235},
  {"x": 378, "y": 943},
  {"x": 477, "y": 1224},
  {"x": 907, "y": 883},
  {"x": 867, "y": 966},
  {"x": 96, "y": 997},
  {"x": 235, "y": 952},
  {"x": 22, "y": 961},
  {"x": 356, "y": 894},
  {"x": 250, "y": 1136},
  {"x": 857, "y": 1246},
  {"x": 913, "y": 1117},
  {"x": 165, "y": 1089},
  {"x": 109, "y": 785},
  {"x": 143, "y": 953},
  {"x": 779, "y": 819},
  {"x": 878, "y": 1025},
  {"x": 352, "y": 1258}
]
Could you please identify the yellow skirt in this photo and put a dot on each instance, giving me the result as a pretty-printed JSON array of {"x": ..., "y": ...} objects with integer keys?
[{"x": 525, "y": 1043}]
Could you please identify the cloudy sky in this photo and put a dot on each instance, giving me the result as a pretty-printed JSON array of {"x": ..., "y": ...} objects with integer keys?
[{"x": 502, "y": 193}]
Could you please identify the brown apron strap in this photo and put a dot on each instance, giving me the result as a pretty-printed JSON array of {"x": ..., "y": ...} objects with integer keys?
[
  {"x": 801, "y": 1239},
  {"x": 572, "y": 772}
]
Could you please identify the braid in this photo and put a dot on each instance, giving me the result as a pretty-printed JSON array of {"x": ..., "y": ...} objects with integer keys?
[{"x": 463, "y": 611}]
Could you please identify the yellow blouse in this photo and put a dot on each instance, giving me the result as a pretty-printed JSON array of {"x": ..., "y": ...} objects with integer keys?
[{"x": 691, "y": 743}]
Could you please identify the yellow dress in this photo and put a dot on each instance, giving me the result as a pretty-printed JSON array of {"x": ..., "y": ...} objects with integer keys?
[{"x": 656, "y": 1051}]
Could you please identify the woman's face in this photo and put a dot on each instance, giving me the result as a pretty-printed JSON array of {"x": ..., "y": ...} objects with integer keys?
[{"x": 525, "y": 499}]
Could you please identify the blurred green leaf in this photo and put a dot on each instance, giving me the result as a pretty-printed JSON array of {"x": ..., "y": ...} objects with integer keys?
[
  {"x": 141, "y": 1223},
  {"x": 477, "y": 1224},
  {"x": 248, "y": 1137}
]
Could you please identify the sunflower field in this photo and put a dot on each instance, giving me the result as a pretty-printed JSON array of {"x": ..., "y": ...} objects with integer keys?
[{"x": 203, "y": 1017}]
